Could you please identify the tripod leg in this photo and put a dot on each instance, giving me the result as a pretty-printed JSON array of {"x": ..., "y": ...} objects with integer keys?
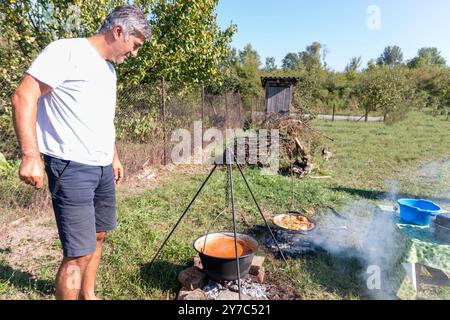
[
  {"x": 229, "y": 166},
  {"x": 259, "y": 208},
  {"x": 182, "y": 216}
]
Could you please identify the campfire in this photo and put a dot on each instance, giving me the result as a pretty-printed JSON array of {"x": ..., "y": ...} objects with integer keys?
[
  {"x": 197, "y": 285},
  {"x": 219, "y": 264}
]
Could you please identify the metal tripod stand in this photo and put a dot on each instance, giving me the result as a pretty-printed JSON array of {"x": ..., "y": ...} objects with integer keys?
[{"x": 230, "y": 160}]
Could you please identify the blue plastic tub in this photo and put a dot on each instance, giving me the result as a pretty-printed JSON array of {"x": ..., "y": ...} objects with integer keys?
[{"x": 418, "y": 212}]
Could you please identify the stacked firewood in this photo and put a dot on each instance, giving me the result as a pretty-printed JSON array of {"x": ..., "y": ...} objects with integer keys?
[{"x": 294, "y": 136}]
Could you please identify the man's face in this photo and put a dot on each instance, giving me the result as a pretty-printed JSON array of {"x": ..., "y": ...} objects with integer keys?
[{"x": 126, "y": 47}]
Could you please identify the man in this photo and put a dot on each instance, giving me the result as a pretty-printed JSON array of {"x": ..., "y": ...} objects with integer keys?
[{"x": 64, "y": 108}]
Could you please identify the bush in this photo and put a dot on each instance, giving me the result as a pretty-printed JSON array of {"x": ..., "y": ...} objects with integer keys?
[
  {"x": 13, "y": 192},
  {"x": 8, "y": 142}
]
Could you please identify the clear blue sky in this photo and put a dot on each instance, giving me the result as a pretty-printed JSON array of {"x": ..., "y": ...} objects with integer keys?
[{"x": 275, "y": 28}]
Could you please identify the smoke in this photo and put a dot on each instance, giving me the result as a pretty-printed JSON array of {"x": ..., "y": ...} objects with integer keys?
[
  {"x": 370, "y": 235},
  {"x": 434, "y": 177},
  {"x": 393, "y": 187},
  {"x": 367, "y": 234}
]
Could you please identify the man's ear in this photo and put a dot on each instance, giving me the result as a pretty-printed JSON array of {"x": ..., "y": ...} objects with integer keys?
[{"x": 117, "y": 32}]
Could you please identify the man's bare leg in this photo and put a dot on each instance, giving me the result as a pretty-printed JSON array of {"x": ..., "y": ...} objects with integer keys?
[
  {"x": 69, "y": 277},
  {"x": 88, "y": 281}
]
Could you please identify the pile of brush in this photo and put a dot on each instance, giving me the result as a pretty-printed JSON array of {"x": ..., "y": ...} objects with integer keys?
[{"x": 296, "y": 138}]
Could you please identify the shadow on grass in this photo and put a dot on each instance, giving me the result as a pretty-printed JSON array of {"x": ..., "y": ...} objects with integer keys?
[
  {"x": 380, "y": 195},
  {"x": 162, "y": 275},
  {"x": 25, "y": 281}
]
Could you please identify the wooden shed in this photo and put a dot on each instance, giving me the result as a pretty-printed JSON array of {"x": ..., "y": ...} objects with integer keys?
[{"x": 279, "y": 92}]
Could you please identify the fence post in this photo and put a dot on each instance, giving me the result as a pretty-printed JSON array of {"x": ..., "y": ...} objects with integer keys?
[
  {"x": 203, "y": 113},
  {"x": 239, "y": 107},
  {"x": 163, "y": 87},
  {"x": 226, "y": 111},
  {"x": 334, "y": 111},
  {"x": 366, "y": 116},
  {"x": 251, "y": 110}
]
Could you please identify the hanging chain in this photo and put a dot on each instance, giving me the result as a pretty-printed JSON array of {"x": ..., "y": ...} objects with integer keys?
[
  {"x": 227, "y": 189},
  {"x": 227, "y": 204}
]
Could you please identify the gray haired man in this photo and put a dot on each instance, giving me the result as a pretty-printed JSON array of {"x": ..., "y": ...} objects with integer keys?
[{"x": 64, "y": 109}]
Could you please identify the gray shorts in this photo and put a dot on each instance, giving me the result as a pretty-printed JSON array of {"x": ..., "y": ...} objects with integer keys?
[{"x": 84, "y": 203}]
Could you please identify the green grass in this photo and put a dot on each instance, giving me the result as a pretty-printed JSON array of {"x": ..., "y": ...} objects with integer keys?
[
  {"x": 145, "y": 221},
  {"x": 369, "y": 156},
  {"x": 366, "y": 157},
  {"x": 16, "y": 284}
]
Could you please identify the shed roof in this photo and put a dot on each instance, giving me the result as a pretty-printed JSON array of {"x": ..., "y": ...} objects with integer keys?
[{"x": 279, "y": 81}]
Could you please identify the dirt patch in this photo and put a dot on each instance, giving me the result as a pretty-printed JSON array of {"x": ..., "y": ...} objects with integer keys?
[
  {"x": 151, "y": 176},
  {"x": 31, "y": 241}
]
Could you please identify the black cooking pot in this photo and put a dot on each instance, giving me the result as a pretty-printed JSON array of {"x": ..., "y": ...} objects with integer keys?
[{"x": 224, "y": 269}]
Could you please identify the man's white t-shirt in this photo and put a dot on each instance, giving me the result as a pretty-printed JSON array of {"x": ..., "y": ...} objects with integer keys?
[{"x": 75, "y": 120}]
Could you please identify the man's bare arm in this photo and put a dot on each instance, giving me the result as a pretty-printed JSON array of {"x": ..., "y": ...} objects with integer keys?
[
  {"x": 117, "y": 167},
  {"x": 24, "y": 102}
]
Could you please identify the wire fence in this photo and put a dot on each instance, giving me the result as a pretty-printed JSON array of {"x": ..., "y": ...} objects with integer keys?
[{"x": 148, "y": 114}]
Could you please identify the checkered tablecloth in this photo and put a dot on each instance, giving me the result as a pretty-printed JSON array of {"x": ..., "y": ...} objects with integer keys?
[
  {"x": 424, "y": 248},
  {"x": 421, "y": 247}
]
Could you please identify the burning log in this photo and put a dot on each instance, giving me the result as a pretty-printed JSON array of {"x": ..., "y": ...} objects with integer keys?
[{"x": 196, "y": 285}]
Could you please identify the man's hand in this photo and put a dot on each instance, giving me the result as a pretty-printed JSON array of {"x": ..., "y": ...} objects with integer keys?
[
  {"x": 118, "y": 170},
  {"x": 31, "y": 171},
  {"x": 24, "y": 102}
]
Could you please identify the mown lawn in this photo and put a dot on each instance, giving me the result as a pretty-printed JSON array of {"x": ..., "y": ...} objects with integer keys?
[{"x": 371, "y": 161}]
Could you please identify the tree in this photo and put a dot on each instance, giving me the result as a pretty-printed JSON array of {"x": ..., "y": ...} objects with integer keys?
[
  {"x": 388, "y": 90},
  {"x": 371, "y": 64},
  {"x": 270, "y": 64},
  {"x": 311, "y": 57},
  {"x": 433, "y": 89},
  {"x": 325, "y": 52},
  {"x": 291, "y": 62},
  {"x": 248, "y": 73},
  {"x": 230, "y": 81},
  {"x": 427, "y": 57},
  {"x": 353, "y": 65},
  {"x": 391, "y": 56},
  {"x": 249, "y": 56},
  {"x": 187, "y": 44}
]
